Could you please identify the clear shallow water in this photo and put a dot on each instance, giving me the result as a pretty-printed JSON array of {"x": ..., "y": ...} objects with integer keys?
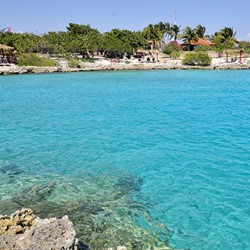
[{"x": 177, "y": 142}]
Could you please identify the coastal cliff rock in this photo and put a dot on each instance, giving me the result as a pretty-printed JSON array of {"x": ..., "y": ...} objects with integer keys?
[
  {"x": 24, "y": 231},
  {"x": 14, "y": 69}
]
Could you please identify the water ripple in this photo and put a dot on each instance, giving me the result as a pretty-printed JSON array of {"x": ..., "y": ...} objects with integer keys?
[{"x": 185, "y": 136}]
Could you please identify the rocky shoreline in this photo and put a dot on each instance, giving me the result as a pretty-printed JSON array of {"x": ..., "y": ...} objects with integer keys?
[
  {"x": 24, "y": 230},
  {"x": 103, "y": 211},
  {"x": 14, "y": 69}
]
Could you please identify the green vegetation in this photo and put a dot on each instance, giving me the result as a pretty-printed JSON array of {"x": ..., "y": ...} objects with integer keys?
[
  {"x": 74, "y": 63},
  {"x": 23, "y": 43},
  {"x": 153, "y": 33},
  {"x": 88, "y": 60},
  {"x": 189, "y": 35},
  {"x": 85, "y": 41},
  {"x": 31, "y": 59},
  {"x": 122, "y": 41},
  {"x": 175, "y": 54},
  {"x": 197, "y": 58},
  {"x": 78, "y": 63},
  {"x": 203, "y": 48},
  {"x": 172, "y": 49},
  {"x": 174, "y": 32},
  {"x": 200, "y": 31},
  {"x": 225, "y": 38},
  {"x": 245, "y": 46}
]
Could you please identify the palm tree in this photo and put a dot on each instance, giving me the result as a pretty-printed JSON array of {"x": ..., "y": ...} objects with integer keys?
[
  {"x": 228, "y": 34},
  {"x": 175, "y": 30},
  {"x": 165, "y": 29},
  {"x": 189, "y": 35},
  {"x": 225, "y": 38},
  {"x": 153, "y": 32},
  {"x": 168, "y": 30},
  {"x": 200, "y": 31},
  {"x": 161, "y": 27}
]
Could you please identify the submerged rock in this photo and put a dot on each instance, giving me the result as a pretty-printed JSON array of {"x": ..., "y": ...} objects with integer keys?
[
  {"x": 34, "y": 195},
  {"x": 23, "y": 230},
  {"x": 10, "y": 169},
  {"x": 106, "y": 210}
]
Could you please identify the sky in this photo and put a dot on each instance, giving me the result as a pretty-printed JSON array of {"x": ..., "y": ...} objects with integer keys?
[{"x": 42, "y": 16}]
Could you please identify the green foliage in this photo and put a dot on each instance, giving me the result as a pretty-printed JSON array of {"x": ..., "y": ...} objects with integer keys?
[
  {"x": 175, "y": 54},
  {"x": 74, "y": 63},
  {"x": 174, "y": 31},
  {"x": 245, "y": 46},
  {"x": 168, "y": 49},
  {"x": 79, "y": 29},
  {"x": 88, "y": 60},
  {"x": 200, "y": 31},
  {"x": 68, "y": 42},
  {"x": 172, "y": 49},
  {"x": 78, "y": 63},
  {"x": 225, "y": 38},
  {"x": 55, "y": 43},
  {"x": 31, "y": 59},
  {"x": 202, "y": 48},
  {"x": 166, "y": 29},
  {"x": 24, "y": 43},
  {"x": 121, "y": 41},
  {"x": 154, "y": 33},
  {"x": 189, "y": 35},
  {"x": 84, "y": 40},
  {"x": 78, "y": 39},
  {"x": 110, "y": 42},
  {"x": 197, "y": 58}
]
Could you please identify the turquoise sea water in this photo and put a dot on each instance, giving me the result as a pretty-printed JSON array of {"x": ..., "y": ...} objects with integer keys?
[{"x": 168, "y": 150}]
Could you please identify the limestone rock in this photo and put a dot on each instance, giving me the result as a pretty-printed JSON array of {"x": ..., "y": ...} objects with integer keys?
[
  {"x": 24, "y": 231},
  {"x": 17, "y": 222}
]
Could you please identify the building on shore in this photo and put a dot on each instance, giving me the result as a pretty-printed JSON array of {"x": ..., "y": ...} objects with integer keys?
[{"x": 194, "y": 44}]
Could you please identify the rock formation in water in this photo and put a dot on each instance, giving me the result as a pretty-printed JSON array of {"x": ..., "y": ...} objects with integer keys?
[
  {"x": 103, "y": 218},
  {"x": 23, "y": 230}
]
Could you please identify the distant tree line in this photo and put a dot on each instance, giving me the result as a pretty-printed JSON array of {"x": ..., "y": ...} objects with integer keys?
[{"x": 85, "y": 40}]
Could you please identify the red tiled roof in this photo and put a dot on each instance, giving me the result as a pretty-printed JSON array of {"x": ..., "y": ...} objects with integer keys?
[{"x": 199, "y": 42}]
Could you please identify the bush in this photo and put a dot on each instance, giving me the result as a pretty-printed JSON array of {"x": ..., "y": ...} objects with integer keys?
[
  {"x": 78, "y": 63},
  {"x": 175, "y": 54},
  {"x": 74, "y": 63},
  {"x": 31, "y": 59},
  {"x": 245, "y": 46},
  {"x": 88, "y": 60},
  {"x": 203, "y": 48},
  {"x": 197, "y": 58},
  {"x": 172, "y": 49}
]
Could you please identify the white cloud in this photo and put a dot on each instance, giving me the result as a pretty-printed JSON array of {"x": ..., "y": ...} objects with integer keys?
[{"x": 248, "y": 36}]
